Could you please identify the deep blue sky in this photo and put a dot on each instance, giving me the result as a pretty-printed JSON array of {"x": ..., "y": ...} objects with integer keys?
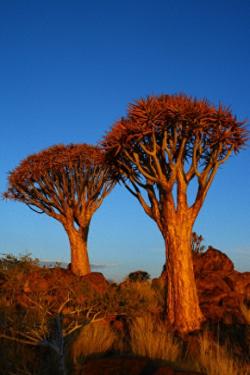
[{"x": 68, "y": 70}]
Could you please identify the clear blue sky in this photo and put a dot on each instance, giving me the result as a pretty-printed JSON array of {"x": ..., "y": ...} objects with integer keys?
[{"x": 68, "y": 70}]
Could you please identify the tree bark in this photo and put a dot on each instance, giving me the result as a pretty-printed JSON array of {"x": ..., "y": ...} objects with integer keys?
[
  {"x": 79, "y": 251},
  {"x": 183, "y": 311}
]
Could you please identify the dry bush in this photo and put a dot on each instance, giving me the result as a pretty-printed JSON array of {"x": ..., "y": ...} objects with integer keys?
[
  {"x": 150, "y": 338},
  {"x": 139, "y": 276},
  {"x": 92, "y": 339},
  {"x": 216, "y": 359},
  {"x": 129, "y": 299},
  {"x": 148, "y": 295}
]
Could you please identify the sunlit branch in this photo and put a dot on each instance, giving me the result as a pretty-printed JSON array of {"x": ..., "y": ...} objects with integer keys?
[
  {"x": 195, "y": 161},
  {"x": 142, "y": 169},
  {"x": 33, "y": 209}
]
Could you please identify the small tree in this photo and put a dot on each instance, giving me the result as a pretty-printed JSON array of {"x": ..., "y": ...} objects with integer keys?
[
  {"x": 163, "y": 144},
  {"x": 69, "y": 184},
  {"x": 197, "y": 246}
]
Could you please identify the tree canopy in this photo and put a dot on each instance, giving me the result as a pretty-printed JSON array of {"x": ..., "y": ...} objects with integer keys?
[
  {"x": 61, "y": 181},
  {"x": 171, "y": 139}
]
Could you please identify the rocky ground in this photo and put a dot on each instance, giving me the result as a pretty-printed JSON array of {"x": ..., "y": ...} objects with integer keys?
[{"x": 224, "y": 295}]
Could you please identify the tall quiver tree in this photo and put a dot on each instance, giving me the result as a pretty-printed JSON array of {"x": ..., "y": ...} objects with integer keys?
[
  {"x": 163, "y": 144},
  {"x": 69, "y": 184}
]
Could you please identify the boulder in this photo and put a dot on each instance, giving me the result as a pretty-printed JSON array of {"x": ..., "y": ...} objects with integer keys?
[
  {"x": 211, "y": 286},
  {"x": 221, "y": 289},
  {"x": 213, "y": 260},
  {"x": 97, "y": 281},
  {"x": 240, "y": 282}
]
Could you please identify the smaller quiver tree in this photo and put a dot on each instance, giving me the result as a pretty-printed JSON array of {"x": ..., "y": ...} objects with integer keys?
[
  {"x": 163, "y": 144},
  {"x": 69, "y": 184}
]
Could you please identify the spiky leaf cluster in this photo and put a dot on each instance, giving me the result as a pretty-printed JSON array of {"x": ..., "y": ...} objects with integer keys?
[{"x": 175, "y": 124}]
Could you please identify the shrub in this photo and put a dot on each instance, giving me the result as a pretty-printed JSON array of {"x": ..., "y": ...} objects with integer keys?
[
  {"x": 139, "y": 276},
  {"x": 197, "y": 246},
  {"x": 149, "y": 297},
  {"x": 129, "y": 299},
  {"x": 10, "y": 265}
]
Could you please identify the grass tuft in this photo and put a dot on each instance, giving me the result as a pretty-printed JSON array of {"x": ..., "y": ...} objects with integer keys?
[
  {"x": 93, "y": 338},
  {"x": 150, "y": 338},
  {"x": 216, "y": 359},
  {"x": 245, "y": 310}
]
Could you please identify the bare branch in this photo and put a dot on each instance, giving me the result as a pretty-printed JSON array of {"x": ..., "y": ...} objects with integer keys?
[{"x": 16, "y": 339}]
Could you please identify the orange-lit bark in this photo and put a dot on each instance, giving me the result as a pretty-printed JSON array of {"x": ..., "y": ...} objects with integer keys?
[
  {"x": 176, "y": 223},
  {"x": 79, "y": 252},
  {"x": 183, "y": 311}
]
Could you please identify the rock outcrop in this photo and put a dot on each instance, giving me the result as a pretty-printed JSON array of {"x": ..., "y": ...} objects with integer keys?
[
  {"x": 212, "y": 260},
  {"x": 53, "y": 285},
  {"x": 224, "y": 293},
  {"x": 222, "y": 290}
]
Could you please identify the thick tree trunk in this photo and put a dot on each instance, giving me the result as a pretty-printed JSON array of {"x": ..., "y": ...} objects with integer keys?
[
  {"x": 79, "y": 252},
  {"x": 183, "y": 311}
]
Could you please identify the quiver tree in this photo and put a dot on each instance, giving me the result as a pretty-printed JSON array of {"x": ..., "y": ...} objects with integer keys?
[
  {"x": 163, "y": 144},
  {"x": 69, "y": 184}
]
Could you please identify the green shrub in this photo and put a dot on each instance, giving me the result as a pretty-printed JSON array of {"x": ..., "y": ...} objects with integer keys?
[{"x": 139, "y": 276}]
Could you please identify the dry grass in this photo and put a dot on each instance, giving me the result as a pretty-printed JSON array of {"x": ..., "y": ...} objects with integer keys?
[
  {"x": 93, "y": 338},
  {"x": 150, "y": 338},
  {"x": 215, "y": 359},
  {"x": 245, "y": 310}
]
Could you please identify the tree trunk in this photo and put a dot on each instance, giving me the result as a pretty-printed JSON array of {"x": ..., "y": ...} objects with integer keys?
[
  {"x": 183, "y": 311},
  {"x": 79, "y": 252}
]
